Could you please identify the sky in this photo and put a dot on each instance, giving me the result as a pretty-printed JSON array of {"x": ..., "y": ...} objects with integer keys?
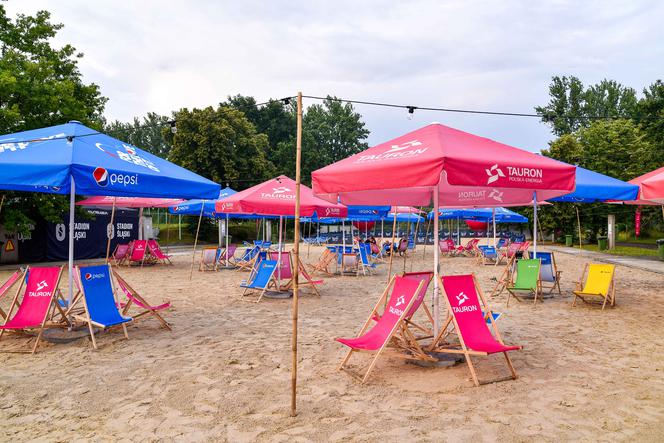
[{"x": 164, "y": 55}]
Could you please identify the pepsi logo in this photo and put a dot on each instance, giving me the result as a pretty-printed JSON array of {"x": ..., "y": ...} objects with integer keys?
[
  {"x": 88, "y": 276},
  {"x": 101, "y": 176}
]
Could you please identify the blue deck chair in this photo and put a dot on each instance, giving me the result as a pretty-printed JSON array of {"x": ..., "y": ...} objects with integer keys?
[
  {"x": 549, "y": 273},
  {"x": 260, "y": 279},
  {"x": 98, "y": 296},
  {"x": 246, "y": 262},
  {"x": 488, "y": 255},
  {"x": 365, "y": 265}
]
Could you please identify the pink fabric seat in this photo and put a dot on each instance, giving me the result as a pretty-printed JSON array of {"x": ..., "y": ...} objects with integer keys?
[
  {"x": 403, "y": 293},
  {"x": 464, "y": 302},
  {"x": 419, "y": 276},
  {"x": 156, "y": 250},
  {"x": 39, "y": 291}
]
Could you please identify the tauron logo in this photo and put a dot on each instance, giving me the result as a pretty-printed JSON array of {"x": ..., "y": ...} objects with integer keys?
[
  {"x": 41, "y": 285},
  {"x": 401, "y": 301},
  {"x": 494, "y": 173},
  {"x": 461, "y": 298},
  {"x": 406, "y": 149},
  {"x": 280, "y": 190},
  {"x": 405, "y": 145},
  {"x": 101, "y": 177},
  {"x": 496, "y": 195}
]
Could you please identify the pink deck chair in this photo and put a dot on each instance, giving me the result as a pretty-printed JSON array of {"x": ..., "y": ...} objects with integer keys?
[
  {"x": 468, "y": 314},
  {"x": 120, "y": 253},
  {"x": 39, "y": 298},
  {"x": 375, "y": 340},
  {"x": 469, "y": 249},
  {"x": 308, "y": 280},
  {"x": 138, "y": 252},
  {"x": 446, "y": 246},
  {"x": 227, "y": 255},
  {"x": 524, "y": 249},
  {"x": 283, "y": 275},
  {"x": 508, "y": 253},
  {"x": 134, "y": 298},
  {"x": 157, "y": 253},
  {"x": 6, "y": 286}
]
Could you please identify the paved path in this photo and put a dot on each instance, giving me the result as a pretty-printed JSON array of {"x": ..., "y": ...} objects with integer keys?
[{"x": 651, "y": 264}]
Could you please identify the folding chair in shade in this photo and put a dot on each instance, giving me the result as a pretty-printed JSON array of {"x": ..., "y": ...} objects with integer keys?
[
  {"x": 470, "y": 249},
  {"x": 375, "y": 252},
  {"x": 509, "y": 253},
  {"x": 325, "y": 261},
  {"x": 365, "y": 264},
  {"x": 260, "y": 279},
  {"x": 523, "y": 250},
  {"x": 99, "y": 303},
  {"x": 120, "y": 253},
  {"x": 6, "y": 286},
  {"x": 599, "y": 285},
  {"x": 308, "y": 281},
  {"x": 487, "y": 255},
  {"x": 468, "y": 313},
  {"x": 38, "y": 302},
  {"x": 283, "y": 276},
  {"x": 426, "y": 278},
  {"x": 505, "y": 277},
  {"x": 375, "y": 340},
  {"x": 138, "y": 252},
  {"x": 349, "y": 263},
  {"x": 248, "y": 259},
  {"x": 446, "y": 247},
  {"x": 208, "y": 260},
  {"x": 227, "y": 255},
  {"x": 135, "y": 299},
  {"x": 157, "y": 253},
  {"x": 527, "y": 282},
  {"x": 549, "y": 272}
]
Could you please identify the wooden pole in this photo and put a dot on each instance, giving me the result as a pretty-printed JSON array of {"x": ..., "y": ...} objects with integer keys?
[
  {"x": 168, "y": 230},
  {"x": 193, "y": 255},
  {"x": 394, "y": 230},
  {"x": 110, "y": 233},
  {"x": 296, "y": 253},
  {"x": 578, "y": 221}
]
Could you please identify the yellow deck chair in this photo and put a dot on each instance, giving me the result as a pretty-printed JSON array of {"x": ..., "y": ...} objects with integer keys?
[{"x": 599, "y": 284}]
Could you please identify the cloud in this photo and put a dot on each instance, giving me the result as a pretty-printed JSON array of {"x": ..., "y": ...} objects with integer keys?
[{"x": 161, "y": 56}]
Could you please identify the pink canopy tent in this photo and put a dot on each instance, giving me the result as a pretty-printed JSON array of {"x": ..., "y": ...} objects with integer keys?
[
  {"x": 447, "y": 167},
  {"x": 276, "y": 197},
  {"x": 651, "y": 188},
  {"x": 404, "y": 210}
]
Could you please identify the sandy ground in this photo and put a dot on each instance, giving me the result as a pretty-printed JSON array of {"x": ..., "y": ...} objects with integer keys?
[{"x": 223, "y": 374}]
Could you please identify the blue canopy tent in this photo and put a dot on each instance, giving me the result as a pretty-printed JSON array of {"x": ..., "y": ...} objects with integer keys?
[
  {"x": 74, "y": 159},
  {"x": 593, "y": 187},
  {"x": 496, "y": 215}
]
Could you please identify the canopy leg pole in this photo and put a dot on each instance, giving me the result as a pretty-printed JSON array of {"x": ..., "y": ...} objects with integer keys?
[
  {"x": 436, "y": 263},
  {"x": 458, "y": 231},
  {"x": 535, "y": 224},
  {"x": 296, "y": 253},
  {"x": 382, "y": 237},
  {"x": 493, "y": 216},
  {"x": 140, "y": 224},
  {"x": 193, "y": 254},
  {"x": 578, "y": 221},
  {"x": 70, "y": 277},
  {"x": 110, "y": 232},
  {"x": 281, "y": 218},
  {"x": 220, "y": 234},
  {"x": 168, "y": 230},
  {"x": 179, "y": 227},
  {"x": 394, "y": 231},
  {"x": 226, "y": 227},
  {"x": 417, "y": 228},
  {"x": 426, "y": 236},
  {"x": 309, "y": 244}
]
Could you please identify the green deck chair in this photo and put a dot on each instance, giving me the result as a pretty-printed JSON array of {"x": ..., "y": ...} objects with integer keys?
[{"x": 527, "y": 282}]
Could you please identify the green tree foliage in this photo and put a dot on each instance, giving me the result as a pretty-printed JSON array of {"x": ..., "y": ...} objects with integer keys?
[
  {"x": 146, "y": 133},
  {"x": 650, "y": 114},
  {"x": 331, "y": 131},
  {"x": 571, "y": 107},
  {"x": 39, "y": 86},
  {"x": 220, "y": 144}
]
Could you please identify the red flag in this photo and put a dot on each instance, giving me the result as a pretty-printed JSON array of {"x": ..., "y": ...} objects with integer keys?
[{"x": 637, "y": 222}]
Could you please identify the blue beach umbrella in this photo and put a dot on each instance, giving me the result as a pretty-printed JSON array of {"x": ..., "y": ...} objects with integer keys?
[{"x": 594, "y": 187}]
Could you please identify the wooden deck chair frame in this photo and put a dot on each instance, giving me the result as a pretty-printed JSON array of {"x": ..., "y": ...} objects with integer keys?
[
  {"x": 86, "y": 316},
  {"x": 519, "y": 294},
  {"x": 164, "y": 260},
  {"x": 308, "y": 281},
  {"x": 17, "y": 275},
  {"x": 49, "y": 311},
  {"x": 462, "y": 348},
  {"x": 247, "y": 265},
  {"x": 123, "y": 259},
  {"x": 146, "y": 311},
  {"x": 323, "y": 265},
  {"x": 556, "y": 274},
  {"x": 610, "y": 294},
  {"x": 399, "y": 326},
  {"x": 350, "y": 264},
  {"x": 203, "y": 265},
  {"x": 505, "y": 277},
  {"x": 271, "y": 282}
]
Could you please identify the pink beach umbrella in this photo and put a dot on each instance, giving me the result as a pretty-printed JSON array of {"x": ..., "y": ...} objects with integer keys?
[{"x": 443, "y": 166}]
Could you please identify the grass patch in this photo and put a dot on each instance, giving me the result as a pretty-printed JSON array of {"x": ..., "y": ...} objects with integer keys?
[{"x": 629, "y": 251}]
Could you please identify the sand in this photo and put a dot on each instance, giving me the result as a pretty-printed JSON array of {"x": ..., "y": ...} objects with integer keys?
[{"x": 223, "y": 373}]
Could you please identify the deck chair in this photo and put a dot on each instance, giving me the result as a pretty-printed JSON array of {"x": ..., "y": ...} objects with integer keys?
[
  {"x": 376, "y": 339},
  {"x": 308, "y": 282},
  {"x": 283, "y": 276},
  {"x": 136, "y": 300},
  {"x": 208, "y": 260},
  {"x": 38, "y": 303},
  {"x": 505, "y": 278},
  {"x": 488, "y": 255},
  {"x": 350, "y": 263},
  {"x": 120, "y": 253},
  {"x": 376, "y": 253},
  {"x": 426, "y": 278},
  {"x": 138, "y": 252},
  {"x": 324, "y": 263},
  {"x": 508, "y": 253},
  {"x": 157, "y": 253},
  {"x": 523, "y": 250},
  {"x": 101, "y": 308},
  {"x": 600, "y": 284},
  {"x": 470, "y": 249},
  {"x": 248, "y": 259},
  {"x": 6, "y": 286},
  {"x": 527, "y": 282},
  {"x": 260, "y": 279},
  {"x": 227, "y": 254},
  {"x": 446, "y": 247},
  {"x": 468, "y": 312},
  {"x": 365, "y": 265},
  {"x": 549, "y": 272}
]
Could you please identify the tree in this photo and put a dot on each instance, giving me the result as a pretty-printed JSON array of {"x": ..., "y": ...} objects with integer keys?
[
  {"x": 650, "y": 114},
  {"x": 39, "y": 86},
  {"x": 330, "y": 132},
  {"x": 146, "y": 134},
  {"x": 220, "y": 144},
  {"x": 571, "y": 107}
]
